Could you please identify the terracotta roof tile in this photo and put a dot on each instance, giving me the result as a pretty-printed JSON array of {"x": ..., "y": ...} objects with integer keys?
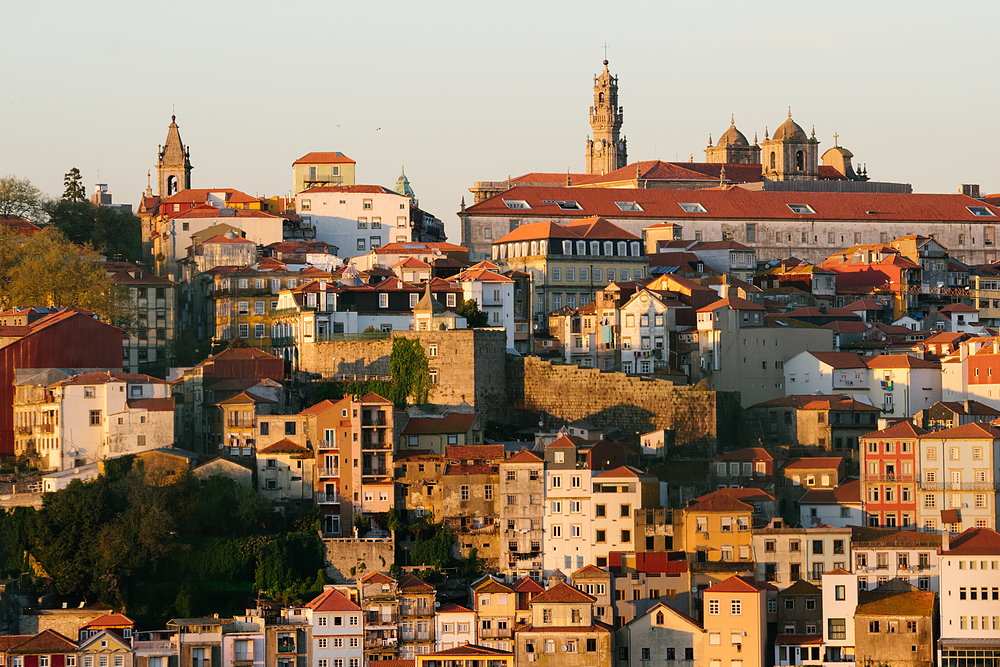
[
  {"x": 848, "y": 493},
  {"x": 525, "y": 456},
  {"x": 319, "y": 157},
  {"x": 47, "y": 641},
  {"x": 749, "y": 454},
  {"x": 974, "y": 431},
  {"x": 562, "y": 592},
  {"x": 734, "y": 584},
  {"x": 332, "y": 600},
  {"x": 527, "y": 585},
  {"x": 452, "y": 608},
  {"x": 975, "y": 542},
  {"x": 284, "y": 446},
  {"x": 813, "y": 463},
  {"x": 110, "y": 621},
  {"x": 901, "y": 430},
  {"x": 471, "y": 650},
  {"x": 733, "y": 302},
  {"x": 895, "y": 603}
]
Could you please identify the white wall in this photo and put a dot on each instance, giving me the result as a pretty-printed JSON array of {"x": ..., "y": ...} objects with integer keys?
[{"x": 337, "y": 223}]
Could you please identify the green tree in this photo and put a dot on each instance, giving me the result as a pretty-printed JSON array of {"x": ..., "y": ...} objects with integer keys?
[
  {"x": 20, "y": 199},
  {"x": 410, "y": 376},
  {"x": 73, "y": 184},
  {"x": 47, "y": 270},
  {"x": 112, "y": 233},
  {"x": 474, "y": 317}
]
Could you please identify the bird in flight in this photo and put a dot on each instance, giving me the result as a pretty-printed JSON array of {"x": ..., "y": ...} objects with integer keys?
[{"x": 377, "y": 129}]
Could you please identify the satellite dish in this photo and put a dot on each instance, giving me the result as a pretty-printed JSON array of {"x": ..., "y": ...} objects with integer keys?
[{"x": 541, "y": 423}]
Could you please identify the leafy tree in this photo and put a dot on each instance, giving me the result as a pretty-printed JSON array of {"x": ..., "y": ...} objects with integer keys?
[
  {"x": 109, "y": 231},
  {"x": 474, "y": 317},
  {"x": 410, "y": 376},
  {"x": 435, "y": 551},
  {"x": 47, "y": 270},
  {"x": 73, "y": 184},
  {"x": 20, "y": 199}
]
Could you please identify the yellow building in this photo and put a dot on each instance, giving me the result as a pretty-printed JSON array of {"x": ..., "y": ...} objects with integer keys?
[
  {"x": 563, "y": 631},
  {"x": 319, "y": 168},
  {"x": 469, "y": 655},
  {"x": 435, "y": 432},
  {"x": 717, "y": 528},
  {"x": 735, "y": 622},
  {"x": 239, "y": 423},
  {"x": 570, "y": 263},
  {"x": 495, "y": 605}
]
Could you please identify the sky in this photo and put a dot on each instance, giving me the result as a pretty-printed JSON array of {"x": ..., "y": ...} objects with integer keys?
[{"x": 458, "y": 92}]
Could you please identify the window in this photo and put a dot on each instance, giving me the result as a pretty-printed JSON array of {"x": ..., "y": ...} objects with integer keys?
[
  {"x": 736, "y": 607},
  {"x": 692, "y": 207},
  {"x": 95, "y": 417},
  {"x": 465, "y": 492},
  {"x": 713, "y": 607}
]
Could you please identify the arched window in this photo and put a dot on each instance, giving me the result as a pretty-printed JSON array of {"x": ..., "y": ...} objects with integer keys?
[
  {"x": 534, "y": 247},
  {"x": 800, "y": 161},
  {"x": 772, "y": 160},
  {"x": 171, "y": 185},
  {"x": 600, "y": 98},
  {"x": 659, "y": 618}
]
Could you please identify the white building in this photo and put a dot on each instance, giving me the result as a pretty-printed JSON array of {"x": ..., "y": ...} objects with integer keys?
[
  {"x": 493, "y": 292},
  {"x": 902, "y": 385},
  {"x": 646, "y": 322},
  {"x": 970, "y": 588},
  {"x": 908, "y": 555},
  {"x": 337, "y": 630},
  {"x": 98, "y": 416},
  {"x": 839, "y": 507},
  {"x": 957, "y": 487},
  {"x": 454, "y": 626},
  {"x": 178, "y": 232},
  {"x": 245, "y": 649},
  {"x": 355, "y": 218},
  {"x": 825, "y": 373},
  {"x": 840, "y": 598},
  {"x": 60, "y": 479},
  {"x": 786, "y": 555}
]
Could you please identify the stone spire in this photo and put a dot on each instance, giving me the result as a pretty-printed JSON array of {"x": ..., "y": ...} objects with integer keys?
[
  {"x": 403, "y": 184},
  {"x": 173, "y": 164}
]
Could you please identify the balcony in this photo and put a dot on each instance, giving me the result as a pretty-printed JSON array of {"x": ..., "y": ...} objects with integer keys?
[
  {"x": 285, "y": 645},
  {"x": 372, "y": 620},
  {"x": 419, "y": 636},
  {"x": 44, "y": 428},
  {"x": 241, "y": 423},
  {"x": 380, "y": 642},
  {"x": 959, "y": 486},
  {"x": 890, "y": 478},
  {"x": 328, "y": 472},
  {"x": 368, "y": 442},
  {"x": 154, "y": 645},
  {"x": 327, "y": 498},
  {"x": 496, "y": 633},
  {"x": 370, "y": 471},
  {"x": 327, "y": 444}
]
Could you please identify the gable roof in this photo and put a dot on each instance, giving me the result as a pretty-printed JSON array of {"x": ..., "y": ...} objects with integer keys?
[
  {"x": 377, "y": 578},
  {"x": 527, "y": 585},
  {"x": 332, "y": 600},
  {"x": 800, "y": 587},
  {"x": 973, "y": 431},
  {"x": 895, "y": 603},
  {"x": 735, "y": 584},
  {"x": 840, "y": 359},
  {"x": 562, "y": 592},
  {"x": 415, "y": 585},
  {"x": 904, "y": 429},
  {"x": 319, "y": 157},
  {"x": 900, "y": 361},
  {"x": 718, "y": 502},
  {"x": 975, "y": 542},
  {"x": 751, "y": 453},
  {"x": 848, "y": 493},
  {"x": 814, "y": 463},
  {"x": 47, "y": 641},
  {"x": 733, "y": 303},
  {"x": 471, "y": 650},
  {"x": 452, "y": 608},
  {"x": 109, "y": 621},
  {"x": 525, "y": 456},
  {"x": 285, "y": 446},
  {"x": 621, "y": 471},
  {"x": 491, "y": 585}
]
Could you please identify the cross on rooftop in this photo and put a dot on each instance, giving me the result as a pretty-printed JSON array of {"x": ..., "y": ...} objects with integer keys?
[{"x": 605, "y": 49}]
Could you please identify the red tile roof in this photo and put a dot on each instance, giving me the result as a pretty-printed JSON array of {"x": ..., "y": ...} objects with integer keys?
[
  {"x": 900, "y": 361},
  {"x": 901, "y": 430},
  {"x": 840, "y": 359},
  {"x": 453, "y": 422},
  {"x": 491, "y": 585},
  {"x": 525, "y": 456},
  {"x": 319, "y": 157},
  {"x": 621, "y": 471},
  {"x": 332, "y": 600},
  {"x": 599, "y": 228},
  {"x": 749, "y": 454},
  {"x": 9, "y": 641},
  {"x": 478, "y": 469},
  {"x": 734, "y": 584},
  {"x": 733, "y": 302},
  {"x": 895, "y": 603},
  {"x": 975, "y": 542},
  {"x": 284, "y": 446},
  {"x": 842, "y": 326},
  {"x": 110, "y": 621},
  {"x": 527, "y": 585},
  {"x": 562, "y": 592},
  {"x": 566, "y": 441},
  {"x": 819, "y": 402},
  {"x": 375, "y": 398},
  {"x": 718, "y": 502},
  {"x": 357, "y": 189},
  {"x": 47, "y": 641},
  {"x": 152, "y": 404},
  {"x": 958, "y": 308},
  {"x": 209, "y": 211},
  {"x": 452, "y": 608},
  {"x": 415, "y": 585},
  {"x": 20, "y": 225},
  {"x": 245, "y": 397},
  {"x": 848, "y": 493},
  {"x": 974, "y": 431},
  {"x": 474, "y": 452},
  {"x": 471, "y": 650},
  {"x": 798, "y": 640},
  {"x": 377, "y": 578},
  {"x": 814, "y": 463}
]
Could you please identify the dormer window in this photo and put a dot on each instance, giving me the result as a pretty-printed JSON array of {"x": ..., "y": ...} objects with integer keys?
[
  {"x": 630, "y": 206},
  {"x": 981, "y": 211},
  {"x": 567, "y": 247},
  {"x": 516, "y": 203},
  {"x": 692, "y": 207},
  {"x": 564, "y": 205},
  {"x": 802, "y": 209}
]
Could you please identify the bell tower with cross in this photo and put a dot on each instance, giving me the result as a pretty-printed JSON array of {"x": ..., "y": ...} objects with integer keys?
[{"x": 606, "y": 148}]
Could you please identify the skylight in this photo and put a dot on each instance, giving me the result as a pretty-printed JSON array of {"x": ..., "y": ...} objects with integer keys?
[
  {"x": 981, "y": 211},
  {"x": 693, "y": 207},
  {"x": 564, "y": 205},
  {"x": 802, "y": 209},
  {"x": 516, "y": 203},
  {"x": 628, "y": 205}
]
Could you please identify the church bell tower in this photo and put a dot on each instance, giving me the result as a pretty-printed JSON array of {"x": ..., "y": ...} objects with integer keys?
[
  {"x": 173, "y": 164},
  {"x": 606, "y": 150}
]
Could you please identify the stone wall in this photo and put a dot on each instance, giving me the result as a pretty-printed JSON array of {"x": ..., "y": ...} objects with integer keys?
[
  {"x": 363, "y": 555},
  {"x": 66, "y": 622},
  {"x": 348, "y": 357},
  {"x": 705, "y": 422}
]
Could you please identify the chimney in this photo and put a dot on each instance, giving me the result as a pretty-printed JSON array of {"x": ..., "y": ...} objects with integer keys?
[
  {"x": 945, "y": 540},
  {"x": 969, "y": 190},
  {"x": 968, "y": 406}
]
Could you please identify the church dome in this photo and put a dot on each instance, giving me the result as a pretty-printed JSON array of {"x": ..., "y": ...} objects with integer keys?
[
  {"x": 789, "y": 131},
  {"x": 733, "y": 137},
  {"x": 350, "y": 277}
]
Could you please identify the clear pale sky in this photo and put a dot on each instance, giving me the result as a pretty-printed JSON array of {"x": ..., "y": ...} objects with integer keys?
[{"x": 466, "y": 91}]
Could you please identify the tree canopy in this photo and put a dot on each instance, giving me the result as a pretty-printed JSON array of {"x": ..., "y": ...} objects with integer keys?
[
  {"x": 110, "y": 232},
  {"x": 47, "y": 270},
  {"x": 158, "y": 545},
  {"x": 73, "y": 184},
  {"x": 20, "y": 199},
  {"x": 474, "y": 318}
]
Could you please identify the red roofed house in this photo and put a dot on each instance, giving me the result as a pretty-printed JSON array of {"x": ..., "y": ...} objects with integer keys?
[
  {"x": 735, "y": 619},
  {"x": 467, "y": 655},
  {"x": 322, "y": 168},
  {"x": 285, "y": 472},
  {"x": 589, "y": 513},
  {"x": 890, "y": 475},
  {"x": 337, "y": 620},
  {"x": 46, "y": 649},
  {"x": 740, "y": 351},
  {"x": 661, "y": 631},
  {"x": 416, "y": 617},
  {"x": 455, "y": 625},
  {"x": 379, "y": 594},
  {"x": 563, "y": 631},
  {"x": 962, "y": 572},
  {"x": 956, "y": 318},
  {"x": 569, "y": 262},
  {"x": 355, "y": 218},
  {"x": 493, "y": 292},
  {"x": 717, "y": 528},
  {"x": 957, "y": 468},
  {"x": 749, "y": 466}
]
